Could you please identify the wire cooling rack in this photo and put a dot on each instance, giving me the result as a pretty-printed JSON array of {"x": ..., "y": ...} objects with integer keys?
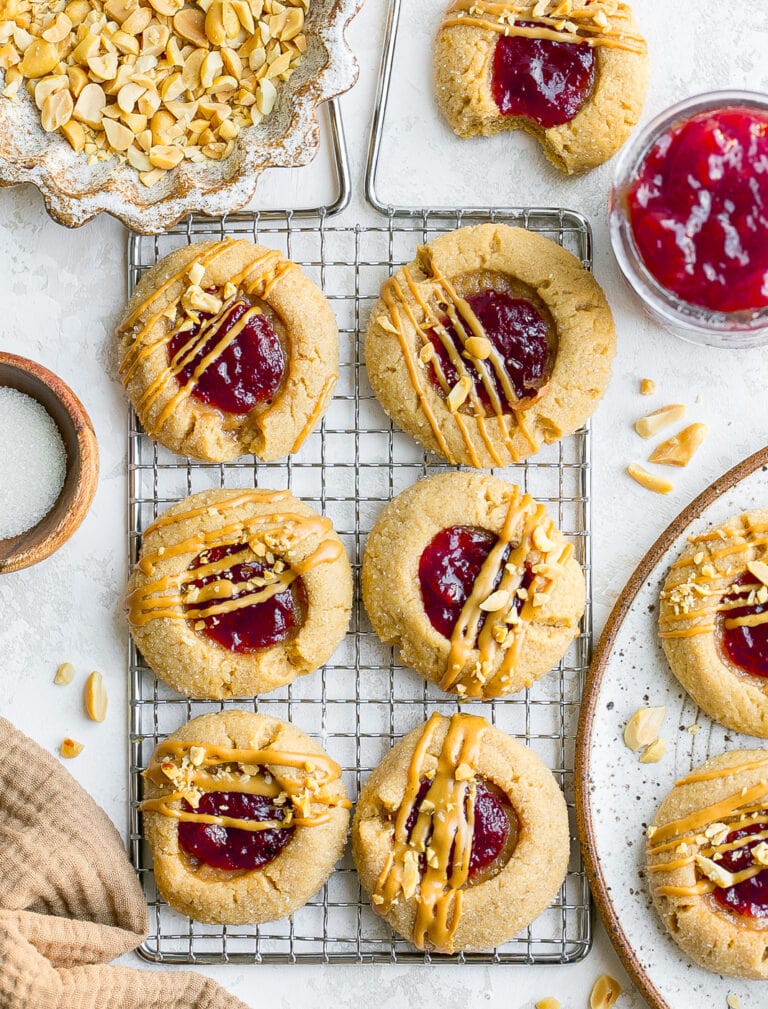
[{"x": 362, "y": 701}]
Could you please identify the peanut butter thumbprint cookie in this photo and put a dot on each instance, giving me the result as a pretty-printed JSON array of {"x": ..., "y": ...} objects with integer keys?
[
  {"x": 713, "y": 622},
  {"x": 573, "y": 73},
  {"x": 246, "y": 817},
  {"x": 473, "y": 583},
  {"x": 460, "y": 836},
  {"x": 237, "y": 592},
  {"x": 492, "y": 342},
  {"x": 227, "y": 348},
  {"x": 708, "y": 864}
]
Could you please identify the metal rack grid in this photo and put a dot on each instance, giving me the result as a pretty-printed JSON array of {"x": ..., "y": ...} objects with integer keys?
[{"x": 362, "y": 701}]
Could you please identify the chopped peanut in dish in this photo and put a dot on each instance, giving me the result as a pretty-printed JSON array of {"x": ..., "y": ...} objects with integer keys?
[
  {"x": 679, "y": 450},
  {"x": 643, "y": 727}
]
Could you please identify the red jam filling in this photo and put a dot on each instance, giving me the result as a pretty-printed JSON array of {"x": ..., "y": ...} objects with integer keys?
[
  {"x": 698, "y": 209},
  {"x": 492, "y": 829},
  {"x": 749, "y": 898},
  {"x": 247, "y": 373},
  {"x": 249, "y": 628},
  {"x": 448, "y": 569},
  {"x": 745, "y": 647},
  {"x": 544, "y": 81},
  {"x": 229, "y": 847},
  {"x": 519, "y": 334}
]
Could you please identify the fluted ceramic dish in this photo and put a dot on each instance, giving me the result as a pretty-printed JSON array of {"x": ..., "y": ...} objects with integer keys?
[
  {"x": 617, "y": 796},
  {"x": 75, "y": 192}
]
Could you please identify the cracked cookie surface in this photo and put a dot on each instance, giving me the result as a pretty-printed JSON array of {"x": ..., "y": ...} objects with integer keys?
[
  {"x": 491, "y": 343},
  {"x": 216, "y": 751},
  {"x": 483, "y": 615},
  {"x": 228, "y": 348},
  {"x": 237, "y": 592}
]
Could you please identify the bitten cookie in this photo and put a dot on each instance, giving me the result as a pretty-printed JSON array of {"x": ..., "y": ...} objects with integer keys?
[
  {"x": 228, "y": 348},
  {"x": 492, "y": 342},
  {"x": 460, "y": 836},
  {"x": 707, "y": 858},
  {"x": 573, "y": 73},
  {"x": 473, "y": 583},
  {"x": 246, "y": 817},
  {"x": 237, "y": 592},
  {"x": 713, "y": 622}
]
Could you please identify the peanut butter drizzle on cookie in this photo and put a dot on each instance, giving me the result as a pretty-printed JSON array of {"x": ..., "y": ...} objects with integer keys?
[
  {"x": 263, "y": 536},
  {"x": 596, "y": 23},
  {"x": 442, "y": 833},
  {"x": 322, "y": 402},
  {"x": 185, "y": 767},
  {"x": 706, "y": 829},
  {"x": 255, "y": 280},
  {"x": 504, "y": 629},
  {"x": 699, "y": 597},
  {"x": 462, "y": 319}
]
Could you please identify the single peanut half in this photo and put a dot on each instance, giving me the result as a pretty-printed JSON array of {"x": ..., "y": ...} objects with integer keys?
[
  {"x": 647, "y": 387},
  {"x": 96, "y": 697},
  {"x": 649, "y": 480},
  {"x": 655, "y": 752},
  {"x": 604, "y": 993},
  {"x": 643, "y": 727},
  {"x": 679, "y": 450},
  {"x": 648, "y": 426},
  {"x": 64, "y": 674}
]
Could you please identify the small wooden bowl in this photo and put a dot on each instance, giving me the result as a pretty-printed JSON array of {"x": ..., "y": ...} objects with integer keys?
[{"x": 82, "y": 474}]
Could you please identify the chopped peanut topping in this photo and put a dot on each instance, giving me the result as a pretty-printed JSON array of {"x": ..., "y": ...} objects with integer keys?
[
  {"x": 496, "y": 601},
  {"x": 760, "y": 570},
  {"x": 648, "y": 426},
  {"x": 679, "y": 451},
  {"x": 648, "y": 480},
  {"x": 458, "y": 394},
  {"x": 479, "y": 347},
  {"x": 151, "y": 82}
]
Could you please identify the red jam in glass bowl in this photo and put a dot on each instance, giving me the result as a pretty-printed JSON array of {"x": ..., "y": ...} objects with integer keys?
[
  {"x": 516, "y": 329},
  {"x": 249, "y": 371},
  {"x": 750, "y": 897},
  {"x": 248, "y": 629},
  {"x": 541, "y": 80},
  {"x": 744, "y": 646},
  {"x": 698, "y": 209},
  {"x": 231, "y": 848}
]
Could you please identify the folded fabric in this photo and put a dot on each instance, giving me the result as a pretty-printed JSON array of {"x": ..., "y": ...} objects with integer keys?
[{"x": 70, "y": 901}]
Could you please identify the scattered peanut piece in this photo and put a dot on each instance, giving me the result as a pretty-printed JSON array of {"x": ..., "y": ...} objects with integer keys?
[
  {"x": 458, "y": 394},
  {"x": 649, "y": 480},
  {"x": 693, "y": 729},
  {"x": 655, "y": 752},
  {"x": 647, "y": 387},
  {"x": 648, "y": 426},
  {"x": 643, "y": 727},
  {"x": 496, "y": 601},
  {"x": 679, "y": 450},
  {"x": 96, "y": 698},
  {"x": 64, "y": 674},
  {"x": 479, "y": 347},
  {"x": 605, "y": 993},
  {"x": 760, "y": 570},
  {"x": 70, "y": 748},
  {"x": 733, "y": 1001},
  {"x": 548, "y": 1003}
]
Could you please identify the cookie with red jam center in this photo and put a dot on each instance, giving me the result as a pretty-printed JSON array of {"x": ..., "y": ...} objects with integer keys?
[
  {"x": 713, "y": 622},
  {"x": 245, "y": 816},
  {"x": 437, "y": 836},
  {"x": 237, "y": 592},
  {"x": 578, "y": 86},
  {"x": 706, "y": 864},
  {"x": 472, "y": 582},
  {"x": 491, "y": 343},
  {"x": 227, "y": 348}
]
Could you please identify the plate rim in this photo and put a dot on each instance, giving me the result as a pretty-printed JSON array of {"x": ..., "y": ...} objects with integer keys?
[{"x": 595, "y": 676}]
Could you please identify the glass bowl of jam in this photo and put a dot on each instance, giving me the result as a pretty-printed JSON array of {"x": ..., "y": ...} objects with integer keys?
[{"x": 689, "y": 218}]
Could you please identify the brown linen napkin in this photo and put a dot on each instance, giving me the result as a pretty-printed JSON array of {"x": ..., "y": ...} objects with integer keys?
[{"x": 70, "y": 901}]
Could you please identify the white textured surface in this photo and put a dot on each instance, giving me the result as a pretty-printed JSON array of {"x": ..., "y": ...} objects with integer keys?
[{"x": 61, "y": 291}]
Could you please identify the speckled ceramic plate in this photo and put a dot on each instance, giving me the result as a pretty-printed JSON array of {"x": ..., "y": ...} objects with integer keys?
[
  {"x": 617, "y": 796},
  {"x": 75, "y": 192}
]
